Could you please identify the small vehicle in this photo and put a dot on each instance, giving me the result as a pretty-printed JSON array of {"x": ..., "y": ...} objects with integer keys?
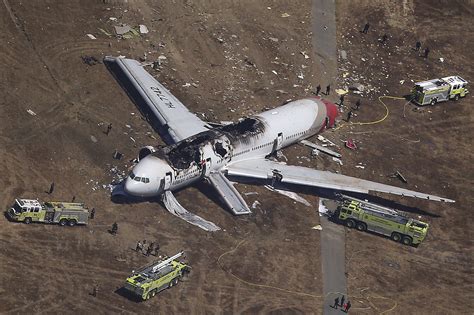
[
  {"x": 52, "y": 212},
  {"x": 150, "y": 280},
  {"x": 439, "y": 90},
  {"x": 367, "y": 216}
]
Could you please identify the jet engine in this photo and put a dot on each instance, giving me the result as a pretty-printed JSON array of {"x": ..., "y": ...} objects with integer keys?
[{"x": 145, "y": 151}]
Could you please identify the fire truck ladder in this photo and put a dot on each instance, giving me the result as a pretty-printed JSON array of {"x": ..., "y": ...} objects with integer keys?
[
  {"x": 374, "y": 208},
  {"x": 166, "y": 262}
]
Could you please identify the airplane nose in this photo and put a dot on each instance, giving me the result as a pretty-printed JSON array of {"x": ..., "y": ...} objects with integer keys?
[
  {"x": 331, "y": 112},
  {"x": 131, "y": 187}
]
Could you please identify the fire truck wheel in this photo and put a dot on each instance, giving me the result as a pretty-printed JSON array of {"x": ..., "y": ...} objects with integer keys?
[
  {"x": 72, "y": 222},
  {"x": 350, "y": 223},
  {"x": 396, "y": 237},
  {"x": 456, "y": 97},
  {"x": 361, "y": 226},
  {"x": 62, "y": 222},
  {"x": 27, "y": 220},
  {"x": 433, "y": 101},
  {"x": 407, "y": 240},
  {"x": 153, "y": 293},
  {"x": 175, "y": 281},
  {"x": 170, "y": 284}
]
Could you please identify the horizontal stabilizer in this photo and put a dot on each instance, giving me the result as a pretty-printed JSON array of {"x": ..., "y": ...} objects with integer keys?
[
  {"x": 174, "y": 207},
  {"x": 229, "y": 194},
  {"x": 266, "y": 169}
]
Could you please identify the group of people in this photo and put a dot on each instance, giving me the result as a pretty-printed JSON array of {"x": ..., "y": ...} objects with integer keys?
[
  {"x": 151, "y": 249},
  {"x": 340, "y": 303}
]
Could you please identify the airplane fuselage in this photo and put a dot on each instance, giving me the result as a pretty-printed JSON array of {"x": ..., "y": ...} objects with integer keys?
[{"x": 181, "y": 164}]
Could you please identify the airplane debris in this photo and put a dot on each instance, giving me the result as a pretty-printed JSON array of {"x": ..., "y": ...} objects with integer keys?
[
  {"x": 91, "y": 36},
  {"x": 325, "y": 140},
  {"x": 290, "y": 195},
  {"x": 357, "y": 87},
  {"x": 255, "y": 204},
  {"x": 113, "y": 18},
  {"x": 285, "y": 15},
  {"x": 90, "y": 60},
  {"x": 341, "y": 91},
  {"x": 143, "y": 29},
  {"x": 320, "y": 148},
  {"x": 335, "y": 159},
  {"x": 251, "y": 193},
  {"x": 120, "y": 30},
  {"x": 400, "y": 176},
  {"x": 350, "y": 144},
  {"x": 274, "y": 72},
  {"x": 322, "y": 209},
  {"x": 32, "y": 113},
  {"x": 317, "y": 227},
  {"x": 93, "y": 139},
  {"x": 117, "y": 155},
  {"x": 343, "y": 54},
  {"x": 360, "y": 166},
  {"x": 273, "y": 39},
  {"x": 304, "y": 54}
]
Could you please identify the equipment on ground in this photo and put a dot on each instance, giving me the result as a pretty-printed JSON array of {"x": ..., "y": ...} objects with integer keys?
[
  {"x": 160, "y": 275},
  {"x": 62, "y": 213},
  {"x": 439, "y": 90},
  {"x": 367, "y": 216}
]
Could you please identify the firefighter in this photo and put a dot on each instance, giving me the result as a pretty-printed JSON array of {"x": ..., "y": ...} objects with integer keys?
[
  {"x": 149, "y": 249},
  {"x": 417, "y": 46},
  {"x": 357, "y": 104},
  {"x": 348, "y": 306},
  {"x": 109, "y": 127},
  {"x": 73, "y": 198},
  {"x": 427, "y": 51},
  {"x": 336, "y": 303},
  {"x": 139, "y": 246},
  {"x": 341, "y": 100},
  {"x": 384, "y": 38},
  {"x": 349, "y": 115},
  {"x": 342, "y": 300},
  {"x": 328, "y": 89},
  {"x": 157, "y": 248},
  {"x": 92, "y": 213},
  {"x": 114, "y": 229},
  {"x": 51, "y": 188},
  {"x": 366, "y": 28},
  {"x": 318, "y": 89}
]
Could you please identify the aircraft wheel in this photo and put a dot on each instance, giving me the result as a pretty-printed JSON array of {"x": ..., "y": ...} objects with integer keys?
[
  {"x": 27, "y": 220},
  {"x": 361, "y": 226},
  {"x": 396, "y": 237},
  {"x": 72, "y": 222},
  {"x": 62, "y": 222},
  {"x": 407, "y": 240},
  {"x": 350, "y": 223}
]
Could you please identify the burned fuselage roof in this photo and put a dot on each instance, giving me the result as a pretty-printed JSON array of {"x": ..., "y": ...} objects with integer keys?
[{"x": 182, "y": 154}]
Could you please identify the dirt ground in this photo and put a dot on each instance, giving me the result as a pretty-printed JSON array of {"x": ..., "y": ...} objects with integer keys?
[{"x": 229, "y": 50}]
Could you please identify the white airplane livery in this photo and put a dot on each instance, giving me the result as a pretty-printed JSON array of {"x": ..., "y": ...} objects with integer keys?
[{"x": 198, "y": 151}]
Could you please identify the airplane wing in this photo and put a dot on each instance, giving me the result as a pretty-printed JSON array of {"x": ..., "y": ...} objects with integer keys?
[
  {"x": 176, "y": 119},
  {"x": 266, "y": 169}
]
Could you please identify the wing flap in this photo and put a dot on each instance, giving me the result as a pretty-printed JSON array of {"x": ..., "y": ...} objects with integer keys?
[
  {"x": 266, "y": 169},
  {"x": 167, "y": 109}
]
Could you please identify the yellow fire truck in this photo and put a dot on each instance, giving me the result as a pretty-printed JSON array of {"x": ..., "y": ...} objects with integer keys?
[
  {"x": 367, "y": 216},
  {"x": 62, "y": 213},
  {"x": 439, "y": 90},
  {"x": 150, "y": 280}
]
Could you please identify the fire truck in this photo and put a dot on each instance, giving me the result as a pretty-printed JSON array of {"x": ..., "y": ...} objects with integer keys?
[
  {"x": 53, "y": 212},
  {"x": 367, "y": 216},
  {"x": 439, "y": 90},
  {"x": 150, "y": 280}
]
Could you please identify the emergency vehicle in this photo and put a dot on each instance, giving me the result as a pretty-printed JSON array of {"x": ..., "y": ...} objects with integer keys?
[
  {"x": 367, "y": 216},
  {"x": 439, "y": 90},
  {"x": 62, "y": 213},
  {"x": 150, "y": 280}
]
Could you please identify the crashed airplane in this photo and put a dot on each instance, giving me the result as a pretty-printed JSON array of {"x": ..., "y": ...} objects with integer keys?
[{"x": 197, "y": 150}]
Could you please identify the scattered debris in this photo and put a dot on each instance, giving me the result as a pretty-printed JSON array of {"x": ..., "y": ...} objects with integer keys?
[
  {"x": 304, "y": 54},
  {"x": 143, "y": 29},
  {"x": 274, "y": 72},
  {"x": 273, "y": 39},
  {"x": 251, "y": 193},
  {"x": 341, "y": 91},
  {"x": 120, "y": 30},
  {"x": 335, "y": 159},
  {"x": 317, "y": 227},
  {"x": 117, "y": 155},
  {"x": 90, "y": 60},
  {"x": 285, "y": 15},
  {"x": 322, "y": 209},
  {"x": 402, "y": 81},
  {"x": 357, "y": 87},
  {"x": 325, "y": 140},
  {"x": 441, "y": 59},
  {"x": 360, "y": 166},
  {"x": 343, "y": 54},
  {"x": 94, "y": 139},
  {"x": 289, "y": 194},
  {"x": 350, "y": 144},
  {"x": 105, "y": 32},
  {"x": 255, "y": 204},
  {"x": 400, "y": 176},
  {"x": 32, "y": 113},
  {"x": 113, "y": 18},
  {"x": 91, "y": 36},
  {"x": 320, "y": 148}
]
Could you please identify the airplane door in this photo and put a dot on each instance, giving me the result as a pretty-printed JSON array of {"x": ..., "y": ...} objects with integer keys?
[
  {"x": 167, "y": 181},
  {"x": 207, "y": 167},
  {"x": 279, "y": 141}
]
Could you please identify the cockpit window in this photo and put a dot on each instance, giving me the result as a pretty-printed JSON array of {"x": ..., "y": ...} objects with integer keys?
[
  {"x": 132, "y": 176},
  {"x": 145, "y": 180},
  {"x": 137, "y": 178}
]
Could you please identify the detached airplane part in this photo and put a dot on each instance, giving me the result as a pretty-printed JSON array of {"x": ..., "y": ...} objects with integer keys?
[{"x": 197, "y": 151}]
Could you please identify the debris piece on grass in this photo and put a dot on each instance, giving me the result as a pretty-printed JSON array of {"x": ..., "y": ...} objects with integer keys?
[
  {"x": 400, "y": 176},
  {"x": 350, "y": 144},
  {"x": 93, "y": 139},
  {"x": 317, "y": 227},
  {"x": 143, "y": 29},
  {"x": 255, "y": 204},
  {"x": 285, "y": 15},
  {"x": 320, "y": 148},
  {"x": 90, "y": 60},
  {"x": 32, "y": 113},
  {"x": 123, "y": 29},
  {"x": 91, "y": 36}
]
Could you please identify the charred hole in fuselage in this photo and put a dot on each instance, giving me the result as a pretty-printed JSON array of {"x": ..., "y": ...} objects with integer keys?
[
  {"x": 219, "y": 149},
  {"x": 244, "y": 130}
]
